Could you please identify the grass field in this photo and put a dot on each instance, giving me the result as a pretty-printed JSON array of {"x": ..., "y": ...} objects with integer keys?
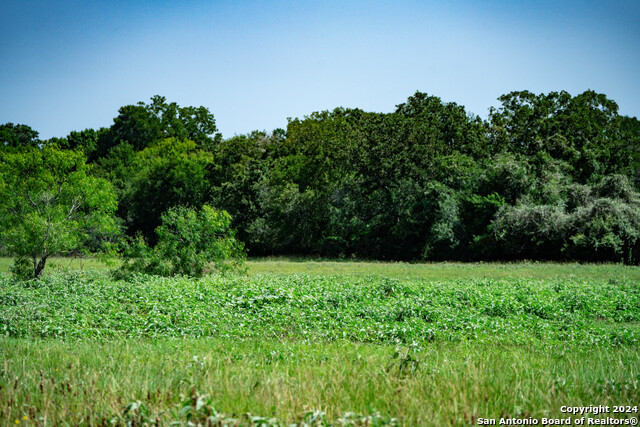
[
  {"x": 320, "y": 343},
  {"x": 398, "y": 270}
]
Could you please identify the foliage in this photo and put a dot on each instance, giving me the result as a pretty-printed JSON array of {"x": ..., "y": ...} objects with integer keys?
[
  {"x": 86, "y": 140},
  {"x": 17, "y": 136},
  {"x": 354, "y": 349},
  {"x": 427, "y": 181},
  {"x": 303, "y": 384},
  {"x": 596, "y": 223},
  {"x": 360, "y": 308},
  {"x": 607, "y": 229},
  {"x": 50, "y": 203},
  {"x": 22, "y": 268},
  {"x": 143, "y": 124},
  {"x": 239, "y": 164},
  {"x": 531, "y": 231},
  {"x": 169, "y": 173},
  {"x": 583, "y": 130},
  {"x": 189, "y": 243}
]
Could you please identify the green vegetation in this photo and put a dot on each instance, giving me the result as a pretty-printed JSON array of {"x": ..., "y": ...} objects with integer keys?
[
  {"x": 438, "y": 384},
  {"x": 364, "y": 309},
  {"x": 50, "y": 205},
  {"x": 443, "y": 271},
  {"x": 396, "y": 270},
  {"x": 80, "y": 347},
  {"x": 545, "y": 177},
  {"x": 158, "y": 340},
  {"x": 189, "y": 242},
  {"x": 65, "y": 263}
]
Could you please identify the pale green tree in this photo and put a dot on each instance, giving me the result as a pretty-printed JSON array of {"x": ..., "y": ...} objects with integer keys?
[{"x": 51, "y": 204}]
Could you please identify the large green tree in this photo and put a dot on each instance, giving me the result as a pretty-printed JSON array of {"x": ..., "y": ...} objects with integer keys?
[
  {"x": 585, "y": 131},
  {"x": 143, "y": 124},
  {"x": 17, "y": 136},
  {"x": 50, "y": 203},
  {"x": 169, "y": 173}
]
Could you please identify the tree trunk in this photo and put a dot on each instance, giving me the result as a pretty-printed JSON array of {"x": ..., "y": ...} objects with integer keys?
[{"x": 40, "y": 267}]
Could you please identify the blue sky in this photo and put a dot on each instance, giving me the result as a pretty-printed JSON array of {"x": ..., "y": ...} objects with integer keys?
[{"x": 69, "y": 65}]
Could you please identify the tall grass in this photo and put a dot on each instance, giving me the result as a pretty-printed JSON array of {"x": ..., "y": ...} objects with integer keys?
[
  {"x": 446, "y": 270},
  {"x": 438, "y": 384}
]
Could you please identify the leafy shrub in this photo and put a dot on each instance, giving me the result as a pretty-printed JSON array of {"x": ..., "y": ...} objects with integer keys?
[
  {"x": 616, "y": 187},
  {"x": 90, "y": 305},
  {"x": 509, "y": 176},
  {"x": 445, "y": 234},
  {"x": 532, "y": 231},
  {"x": 22, "y": 268},
  {"x": 190, "y": 243},
  {"x": 600, "y": 222},
  {"x": 577, "y": 195},
  {"x": 606, "y": 229}
]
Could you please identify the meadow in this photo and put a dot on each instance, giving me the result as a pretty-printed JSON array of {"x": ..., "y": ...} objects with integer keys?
[
  {"x": 308, "y": 342},
  {"x": 396, "y": 270}
]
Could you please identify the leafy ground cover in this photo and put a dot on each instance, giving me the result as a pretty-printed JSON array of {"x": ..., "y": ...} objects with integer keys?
[
  {"x": 320, "y": 308},
  {"x": 356, "y": 348}
]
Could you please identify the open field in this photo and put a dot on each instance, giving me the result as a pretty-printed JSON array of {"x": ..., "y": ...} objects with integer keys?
[
  {"x": 398, "y": 270},
  {"x": 447, "y": 270},
  {"x": 363, "y": 343}
]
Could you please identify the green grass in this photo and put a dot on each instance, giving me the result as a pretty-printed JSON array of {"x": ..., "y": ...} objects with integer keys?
[
  {"x": 439, "y": 384},
  {"x": 446, "y": 271},
  {"x": 399, "y": 270},
  {"x": 334, "y": 342},
  {"x": 61, "y": 263}
]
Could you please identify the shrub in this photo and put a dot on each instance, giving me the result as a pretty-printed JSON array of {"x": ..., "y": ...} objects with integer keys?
[
  {"x": 530, "y": 231},
  {"x": 606, "y": 229},
  {"x": 22, "y": 268},
  {"x": 190, "y": 243}
]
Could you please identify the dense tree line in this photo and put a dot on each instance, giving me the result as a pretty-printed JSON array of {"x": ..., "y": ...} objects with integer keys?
[{"x": 547, "y": 176}]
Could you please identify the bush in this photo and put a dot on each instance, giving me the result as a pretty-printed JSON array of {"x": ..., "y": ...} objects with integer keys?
[
  {"x": 530, "y": 231},
  {"x": 606, "y": 230},
  {"x": 190, "y": 243},
  {"x": 22, "y": 268},
  {"x": 598, "y": 223},
  {"x": 616, "y": 187}
]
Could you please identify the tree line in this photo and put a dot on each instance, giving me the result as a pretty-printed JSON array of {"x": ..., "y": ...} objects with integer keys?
[{"x": 545, "y": 177}]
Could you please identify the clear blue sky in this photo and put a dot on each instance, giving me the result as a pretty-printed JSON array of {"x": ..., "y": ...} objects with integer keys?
[{"x": 69, "y": 65}]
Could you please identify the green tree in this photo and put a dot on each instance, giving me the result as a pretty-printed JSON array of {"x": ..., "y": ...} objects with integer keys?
[
  {"x": 169, "y": 173},
  {"x": 584, "y": 131},
  {"x": 85, "y": 140},
  {"x": 135, "y": 125},
  {"x": 240, "y": 162},
  {"x": 50, "y": 203},
  {"x": 630, "y": 130},
  {"x": 194, "y": 123},
  {"x": 143, "y": 124},
  {"x": 17, "y": 136}
]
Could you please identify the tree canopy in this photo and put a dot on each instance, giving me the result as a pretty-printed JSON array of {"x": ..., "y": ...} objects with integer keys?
[
  {"x": 546, "y": 176},
  {"x": 17, "y": 136},
  {"x": 51, "y": 203}
]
